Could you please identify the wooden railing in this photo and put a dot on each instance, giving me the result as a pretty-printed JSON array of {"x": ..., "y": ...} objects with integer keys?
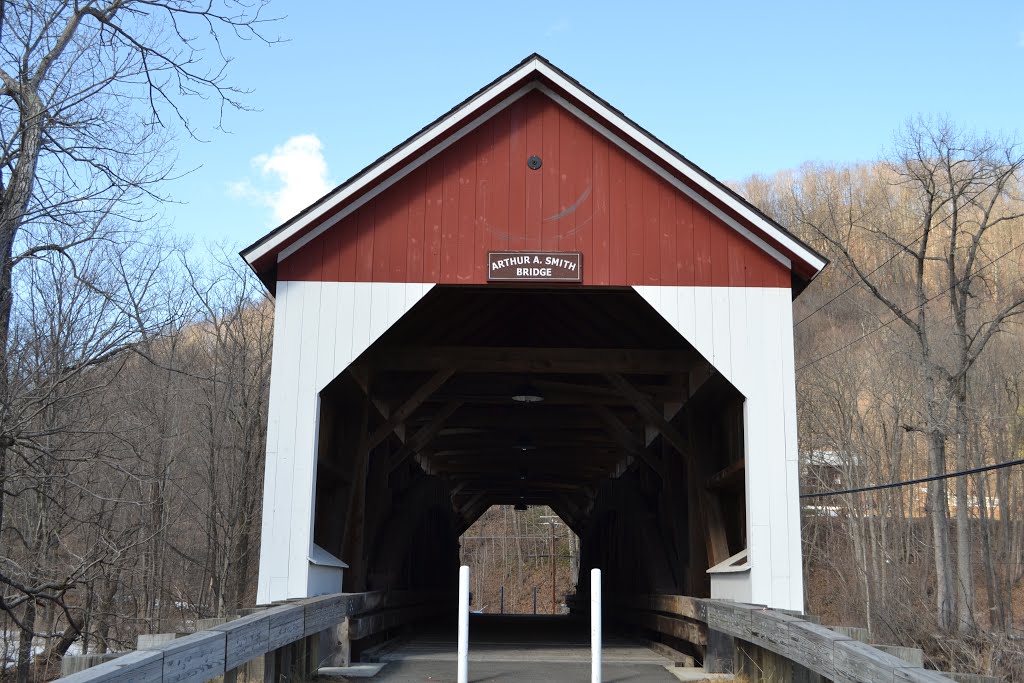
[
  {"x": 726, "y": 637},
  {"x": 287, "y": 637},
  {"x": 765, "y": 644}
]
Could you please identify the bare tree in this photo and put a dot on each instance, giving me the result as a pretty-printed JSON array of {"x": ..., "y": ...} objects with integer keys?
[
  {"x": 230, "y": 365},
  {"x": 90, "y": 91},
  {"x": 77, "y": 313},
  {"x": 861, "y": 389},
  {"x": 937, "y": 219},
  {"x": 85, "y": 90}
]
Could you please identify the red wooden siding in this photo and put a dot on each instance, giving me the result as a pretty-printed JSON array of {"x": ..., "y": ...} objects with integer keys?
[{"x": 438, "y": 223}]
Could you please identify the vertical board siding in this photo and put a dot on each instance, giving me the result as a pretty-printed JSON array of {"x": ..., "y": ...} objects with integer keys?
[
  {"x": 415, "y": 246},
  {"x": 434, "y": 202},
  {"x": 438, "y": 223},
  {"x": 600, "y": 240},
  {"x": 319, "y": 329},
  {"x": 751, "y": 344},
  {"x": 516, "y": 182},
  {"x": 549, "y": 173},
  {"x": 745, "y": 332}
]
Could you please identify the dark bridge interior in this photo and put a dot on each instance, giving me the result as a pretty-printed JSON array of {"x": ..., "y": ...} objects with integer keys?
[{"x": 582, "y": 399}]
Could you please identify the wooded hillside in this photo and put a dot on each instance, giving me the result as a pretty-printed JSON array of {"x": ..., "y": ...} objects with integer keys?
[{"x": 509, "y": 553}]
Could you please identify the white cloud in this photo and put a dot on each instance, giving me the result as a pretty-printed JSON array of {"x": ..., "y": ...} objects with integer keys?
[{"x": 297, "y": 171}]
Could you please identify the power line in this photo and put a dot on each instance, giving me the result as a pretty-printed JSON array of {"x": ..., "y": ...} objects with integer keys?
[
  {"x": 909, "y": 311},
  {"x": 935, "y": 477},
  {"x": 855, "y": 283}
]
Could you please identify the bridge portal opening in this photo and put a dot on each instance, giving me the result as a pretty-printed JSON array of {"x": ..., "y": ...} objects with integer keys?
[
  {"x": 522, "y": 559},
  {"x": 582, "y": 400}
]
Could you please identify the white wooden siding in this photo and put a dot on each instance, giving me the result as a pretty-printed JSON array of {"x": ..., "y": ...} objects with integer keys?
[
  {"x": 747, "y": 334},
  {"x": 319, "y": 329}
]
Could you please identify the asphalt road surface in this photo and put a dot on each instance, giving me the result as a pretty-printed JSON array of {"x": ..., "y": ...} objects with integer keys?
[{"x": 520, "y": 648}]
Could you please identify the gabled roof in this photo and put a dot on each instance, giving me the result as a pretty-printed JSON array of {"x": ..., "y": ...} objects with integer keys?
[{"x": 534, "y": 73}]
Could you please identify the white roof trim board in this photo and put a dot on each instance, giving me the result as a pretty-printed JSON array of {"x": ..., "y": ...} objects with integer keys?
[
  {"x": 485, "y": 99},
  {"x": 378, "y": 189}
]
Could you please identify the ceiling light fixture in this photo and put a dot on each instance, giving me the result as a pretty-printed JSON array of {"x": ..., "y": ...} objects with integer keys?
[
  {"x": 527, "y": 393},
  {"x": 525, "y": 443}
]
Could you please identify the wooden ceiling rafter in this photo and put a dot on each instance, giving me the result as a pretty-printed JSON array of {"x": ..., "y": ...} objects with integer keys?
[
  {"x": 424, "y": 434},
  {"x": 540, "y": 360},
  {"x": 450, "y": 389},
  {"x": 651, "y": 414},
  {"x": 632, "y": 446},
  {"x": 400, "y": 414},
  {"x": 471, "y": 440},
  {"x": 361, "y": 375}
]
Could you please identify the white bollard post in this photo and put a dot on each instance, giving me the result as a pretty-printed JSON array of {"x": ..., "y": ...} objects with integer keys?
[
  {"x": 463, "y": 666},
  {"x": 595, "y": 625}
]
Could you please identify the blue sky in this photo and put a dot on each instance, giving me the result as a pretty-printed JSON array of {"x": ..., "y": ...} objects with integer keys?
[{"x": 739, "y": 87}]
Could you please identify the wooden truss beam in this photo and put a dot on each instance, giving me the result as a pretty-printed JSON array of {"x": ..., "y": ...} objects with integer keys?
[
  {"x": 710, "y": 507},
  {"x": 471, "y": 511},
  {"x": 632, "y": 445},
  {"x": 424, "y": 434},
  {"x": 530, "y": 360},
  {"x": 619, "y": 431},
  {"x": 729, "y": 475},
  {"x": 651, "y": 414},
  {"x": 361, "y": 376},
  {"x": 399, "y": 416}
]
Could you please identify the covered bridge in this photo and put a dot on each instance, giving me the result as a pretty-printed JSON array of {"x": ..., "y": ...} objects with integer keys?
[{"x": 533, "y": 301}]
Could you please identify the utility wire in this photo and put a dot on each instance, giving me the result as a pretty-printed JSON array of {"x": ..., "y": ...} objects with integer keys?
[
  {"x": 856, "y": 282},
  {"x": 936, "y": 477},
  {"x": 909, "y": 311}
]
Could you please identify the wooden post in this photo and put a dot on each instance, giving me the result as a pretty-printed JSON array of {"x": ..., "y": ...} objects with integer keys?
[
  {"x": 287, "y": 666},
  {"x": 345, "y": 642},
  {"x": 355, "y": 519},
  {"x": 275, "y": 665},
  {"x": 720, "y": 654},
  {"x": 801, "y": 674},
  {"x": 774, "y": 666},
  {"x": 310, "y": 656},
  {"x": 297, "y": 670}
]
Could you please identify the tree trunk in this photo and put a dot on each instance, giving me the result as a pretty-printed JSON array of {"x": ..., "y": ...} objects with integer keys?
[
  {"x": 24, "y": 671},
  {"x": 14, "y": 200},
  {"x": 938, "y": 516},
  {"x": 997, "y": 613},
  {"x": 964, "y": 555},
  {"x": 105, "y": 614},
  {"x": 66, "y": 640}
]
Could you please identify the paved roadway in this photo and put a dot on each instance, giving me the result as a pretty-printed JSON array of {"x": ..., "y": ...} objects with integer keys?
[{"x": 521, "y": 648}]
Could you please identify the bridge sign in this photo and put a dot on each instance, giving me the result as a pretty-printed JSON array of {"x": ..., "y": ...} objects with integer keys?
[{"x": 534, "y": 266}]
